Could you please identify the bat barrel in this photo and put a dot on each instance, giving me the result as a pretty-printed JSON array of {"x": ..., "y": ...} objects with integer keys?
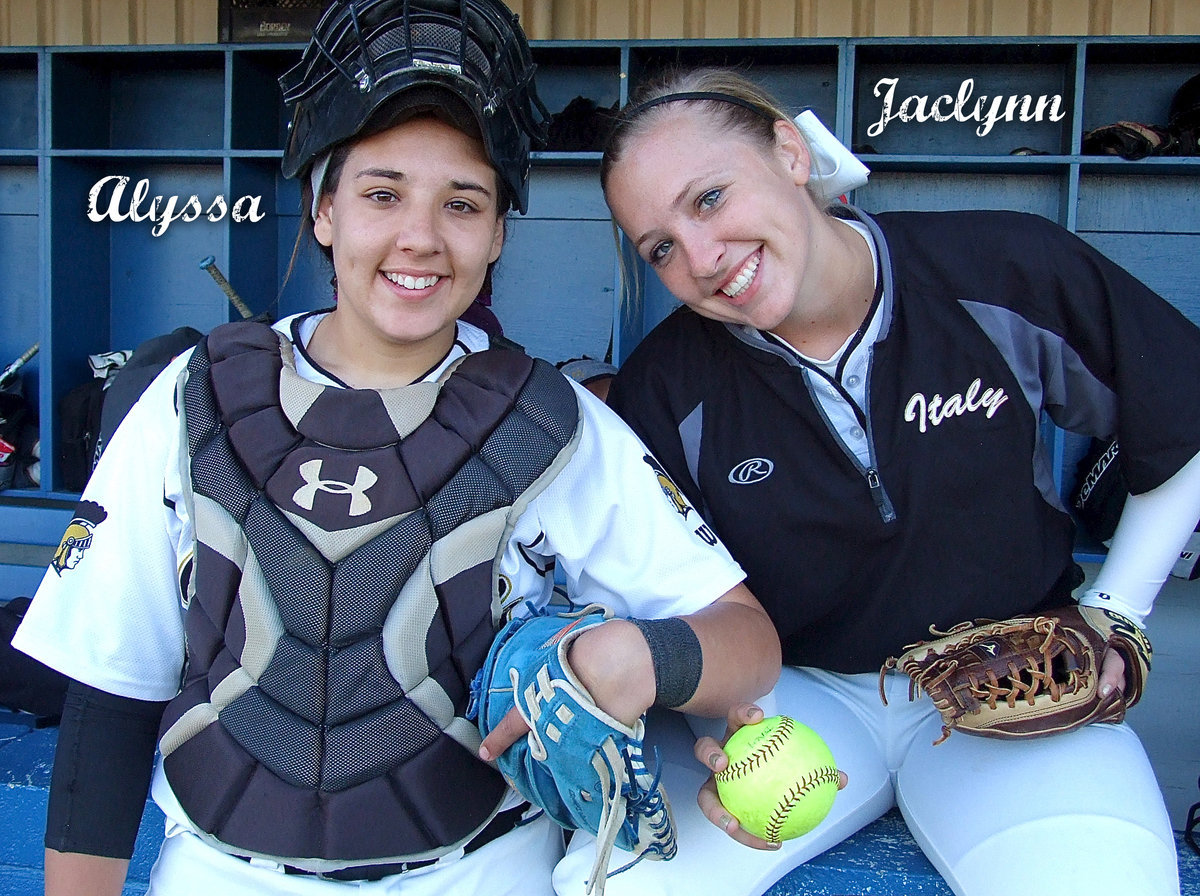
[{"x": 9, "y": 372}]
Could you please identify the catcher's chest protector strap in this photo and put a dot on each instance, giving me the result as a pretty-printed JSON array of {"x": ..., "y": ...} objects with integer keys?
[{"x": 345, "y": 594}]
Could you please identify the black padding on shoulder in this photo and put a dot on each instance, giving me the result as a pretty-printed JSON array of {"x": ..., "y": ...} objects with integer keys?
[{"x": 101, "y": 772}]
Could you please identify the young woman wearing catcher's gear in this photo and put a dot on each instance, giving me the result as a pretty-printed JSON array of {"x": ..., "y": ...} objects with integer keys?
[
  {"x": 314, "y": 529},
  {"x": 854, "y": 403}
]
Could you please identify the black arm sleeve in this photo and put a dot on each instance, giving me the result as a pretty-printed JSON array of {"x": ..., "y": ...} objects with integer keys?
[{"x": 101, "y": 772}]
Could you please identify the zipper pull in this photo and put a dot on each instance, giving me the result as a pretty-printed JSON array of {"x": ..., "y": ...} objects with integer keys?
[{"x": 875, "y": 484}]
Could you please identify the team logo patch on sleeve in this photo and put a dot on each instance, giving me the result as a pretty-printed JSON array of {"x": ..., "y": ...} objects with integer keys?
[
  {"x": 678, "y": 501},
  {"x": 78, "y": 537},
  {"x": 669, "y": 488}
]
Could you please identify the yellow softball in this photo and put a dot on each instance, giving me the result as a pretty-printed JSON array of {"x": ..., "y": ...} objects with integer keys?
[{"x": 781, "y": 778}]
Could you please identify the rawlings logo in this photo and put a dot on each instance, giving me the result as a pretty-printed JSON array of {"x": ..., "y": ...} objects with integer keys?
[
  {"x": 310, "y": 471},
  {"x": 751, "y": 470}
]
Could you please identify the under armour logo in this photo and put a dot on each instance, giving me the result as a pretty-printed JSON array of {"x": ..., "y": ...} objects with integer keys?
[
  {"x": 310, "y": 471},
  {"x": 750, "y": 471}
]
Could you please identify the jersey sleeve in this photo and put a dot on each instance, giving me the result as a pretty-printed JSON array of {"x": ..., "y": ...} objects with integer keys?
[
  {"x": 1093, "y": 346},
  {"x": 1145, "y": 349},
  {"x": 654, "y": 402},
  {"x": 620, "y": 531},
  {"x": 108, "y": 611}
]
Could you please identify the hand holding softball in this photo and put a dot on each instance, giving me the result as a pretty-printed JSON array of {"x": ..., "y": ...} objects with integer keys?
[{"x": 774, "y": 780}]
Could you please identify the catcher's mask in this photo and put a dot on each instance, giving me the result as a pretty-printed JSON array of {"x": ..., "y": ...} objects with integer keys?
[{"x": 465, "y": 60}]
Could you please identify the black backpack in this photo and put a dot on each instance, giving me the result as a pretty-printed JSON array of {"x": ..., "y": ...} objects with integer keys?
[
  {"x": 25, "y": 684},
  {"x": 79, "y": 433},
  {"x": 90, "y": 413},
  {"x": 128, "y": 383}
]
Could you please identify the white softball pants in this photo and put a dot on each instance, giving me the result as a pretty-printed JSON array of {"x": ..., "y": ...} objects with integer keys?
[
  {"x": 1079, "y": 812},
  {"x": 516, "y": 864}
]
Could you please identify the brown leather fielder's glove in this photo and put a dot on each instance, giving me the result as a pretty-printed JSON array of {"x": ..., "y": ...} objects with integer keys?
[{"x": 1026, "y": 677}]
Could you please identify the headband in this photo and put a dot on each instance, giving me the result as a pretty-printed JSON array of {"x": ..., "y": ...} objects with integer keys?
[
  {"x": 630, "y": 113},
  {"x": 835, "y": 170}
]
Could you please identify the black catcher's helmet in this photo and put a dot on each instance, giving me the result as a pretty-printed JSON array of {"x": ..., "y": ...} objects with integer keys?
[
  {"x": 1185, "y": 104},
  {"x": 451, "y": 52},
  {"x": 1184, "y": 116}
]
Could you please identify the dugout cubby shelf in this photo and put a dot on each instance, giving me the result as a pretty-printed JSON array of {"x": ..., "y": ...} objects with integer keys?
[
  {"x": 1134, "y": 79},
  {"x": 18, "y": 98},
  {"x": 257, "y": 117},
  {"x": 806, "y": 75},
  {"x": 136, "y": 101},
  {"x": 207, "y": 120}
]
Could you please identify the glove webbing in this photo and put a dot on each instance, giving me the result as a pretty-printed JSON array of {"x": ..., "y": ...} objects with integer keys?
[{"x": 1026, "y": 679}]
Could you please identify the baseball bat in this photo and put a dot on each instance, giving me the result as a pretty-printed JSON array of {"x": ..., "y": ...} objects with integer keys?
[
  {"x": 10, "y": 372},
  {"x": 210, "y": 264}
]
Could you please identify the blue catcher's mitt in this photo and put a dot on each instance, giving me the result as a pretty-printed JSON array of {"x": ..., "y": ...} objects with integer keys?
[{"x": 578, "y": 763}]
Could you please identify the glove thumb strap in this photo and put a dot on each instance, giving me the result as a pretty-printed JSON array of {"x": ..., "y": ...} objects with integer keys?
[{"x": 1124, "y": 636}]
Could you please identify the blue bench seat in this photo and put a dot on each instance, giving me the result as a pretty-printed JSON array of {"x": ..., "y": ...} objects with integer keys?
[{"x": 880, "y": 860}]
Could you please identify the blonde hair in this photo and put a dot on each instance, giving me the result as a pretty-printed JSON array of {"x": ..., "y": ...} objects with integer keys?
[{"x": 733, "y": 101}]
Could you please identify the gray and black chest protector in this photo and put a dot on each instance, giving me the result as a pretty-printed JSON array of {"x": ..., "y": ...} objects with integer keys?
[{"x": 346, "y": 590}]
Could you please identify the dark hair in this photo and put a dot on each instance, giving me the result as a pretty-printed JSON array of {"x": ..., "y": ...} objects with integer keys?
[{"x": 398, "y": 109}]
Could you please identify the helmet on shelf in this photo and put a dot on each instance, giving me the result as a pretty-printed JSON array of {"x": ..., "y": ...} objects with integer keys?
[
  {"x": 1185, "y": 104},
  {"x": 1184, "y": 117},
  {"x": 467, "y": 60}
]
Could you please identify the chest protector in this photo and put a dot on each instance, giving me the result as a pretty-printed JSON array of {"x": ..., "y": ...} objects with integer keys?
[{"x": 346, "y": 589}]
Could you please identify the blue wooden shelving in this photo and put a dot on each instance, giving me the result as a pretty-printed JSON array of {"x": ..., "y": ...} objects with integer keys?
[{"x": 207, "y": 120}]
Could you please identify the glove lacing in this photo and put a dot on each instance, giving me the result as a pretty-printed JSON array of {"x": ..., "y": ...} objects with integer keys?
[
  {"x": 623, "y": 794},
  {"x": 626, "y": 796}
]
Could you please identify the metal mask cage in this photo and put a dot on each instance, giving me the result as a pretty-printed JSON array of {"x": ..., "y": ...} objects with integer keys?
[{"x": 363, "y": 52}]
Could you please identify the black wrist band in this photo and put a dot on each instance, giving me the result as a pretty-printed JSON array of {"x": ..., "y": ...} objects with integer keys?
[{"x": 678, "y": 659}]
